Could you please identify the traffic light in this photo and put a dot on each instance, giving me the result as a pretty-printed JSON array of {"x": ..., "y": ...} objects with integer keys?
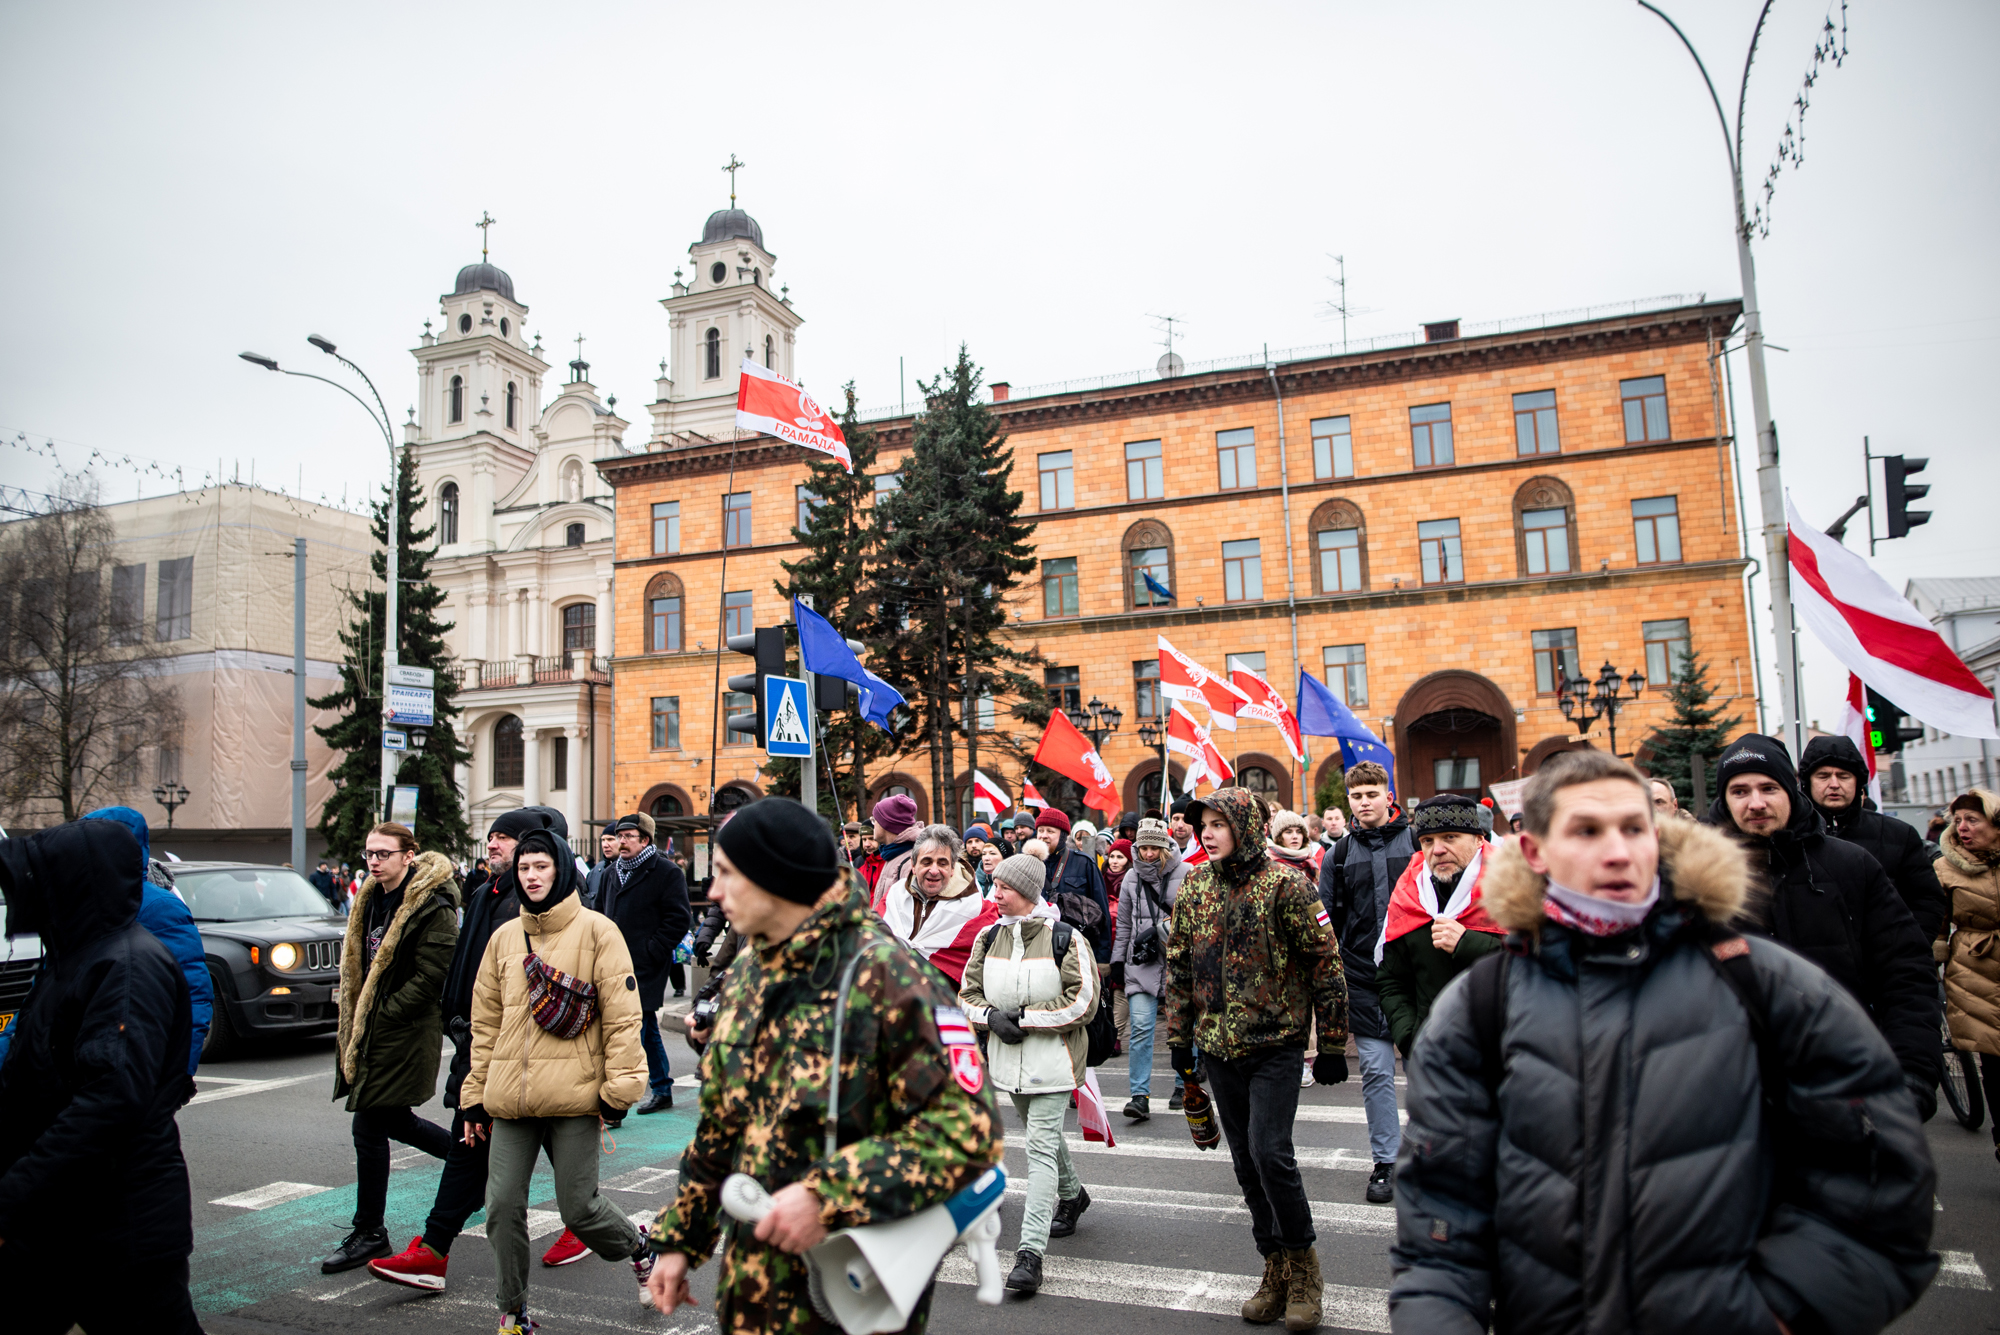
[
  {"x": 1898, "y": 493},
  {"x": 837, "y": 692},
  {"x": 766, "y": 645},
  {"x": 1886, "y": 730}
]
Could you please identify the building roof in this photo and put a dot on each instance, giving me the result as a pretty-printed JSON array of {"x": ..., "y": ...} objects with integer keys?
[
  {"x": 727, "y": 224},
  {"x": 1942, "y": 597},
  {"x": 484, "y": 277}
]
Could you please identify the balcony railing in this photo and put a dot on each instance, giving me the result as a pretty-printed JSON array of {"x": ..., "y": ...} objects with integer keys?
[{"x": 546, "y": 671}]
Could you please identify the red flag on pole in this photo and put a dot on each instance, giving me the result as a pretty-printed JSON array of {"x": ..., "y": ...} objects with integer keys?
[
  {"x": 1181, "y": 678},
  {"x": 1070, "y": 754},
  {"x": 1268, "y": 705},
  {"x": 767, "y": 402},
  {"x": 1188, "y": 738}
]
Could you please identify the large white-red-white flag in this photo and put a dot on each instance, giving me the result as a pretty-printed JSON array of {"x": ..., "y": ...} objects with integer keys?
[
  {"x": 1855, "y": 724},
  {"x": 1268, "y": 705},
  {"x": 767, "y": 402},
  {"x": 1181, "y": 678},
  {"x": 988, "y": 795},
  {"x": 1877, "y": 635}
]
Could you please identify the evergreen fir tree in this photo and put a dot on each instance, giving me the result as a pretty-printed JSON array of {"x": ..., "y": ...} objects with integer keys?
[
  {"x": 354, "y": 808},
  {"x": 951, "y": 548},
  {"x": 1695, "y": 729}
]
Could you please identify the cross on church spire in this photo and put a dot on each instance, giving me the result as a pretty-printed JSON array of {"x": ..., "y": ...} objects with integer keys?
[
  {"x": 485, "y": 221},
  {"x": 579, "y": 347},
  {"x": 733, "y": 167}
]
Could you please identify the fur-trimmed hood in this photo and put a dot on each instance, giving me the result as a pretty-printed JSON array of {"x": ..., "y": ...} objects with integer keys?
[
  {"x": 1960, "y": 857},
  {"x": 429, "y": 878},
  {"x": 1697, "y": 864}
]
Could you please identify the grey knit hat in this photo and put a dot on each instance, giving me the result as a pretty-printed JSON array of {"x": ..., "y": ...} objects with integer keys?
[
  {"x": 1022, "y": 874},
  {"x": 1153, "y": 834}
]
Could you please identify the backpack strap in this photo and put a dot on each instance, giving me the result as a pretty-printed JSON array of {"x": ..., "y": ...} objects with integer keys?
[
  {"x": 1059, "y": 939},
  {"x": 1730, "y": 954},
  {"x": 1486, "y": 995}
]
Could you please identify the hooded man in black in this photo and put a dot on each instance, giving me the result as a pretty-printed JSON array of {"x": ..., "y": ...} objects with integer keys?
[
  {"x": 1836, "y": 779},
  {"x": 96, "y": 1072},
  {"x": 1831, "y": 902}
]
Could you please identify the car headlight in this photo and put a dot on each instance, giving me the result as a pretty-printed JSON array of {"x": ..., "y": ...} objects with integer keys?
[{"x": 284, "y": 956}]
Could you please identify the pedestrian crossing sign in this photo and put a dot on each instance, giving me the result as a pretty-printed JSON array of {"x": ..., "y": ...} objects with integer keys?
[{"x": 788, "y": 730}]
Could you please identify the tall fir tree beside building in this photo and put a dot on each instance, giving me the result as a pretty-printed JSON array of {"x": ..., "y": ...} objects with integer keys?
[
  {"x": 354, "y": 808},
  {"x": 951, "y": 547},
  {"x": 1696, "y": 728}
]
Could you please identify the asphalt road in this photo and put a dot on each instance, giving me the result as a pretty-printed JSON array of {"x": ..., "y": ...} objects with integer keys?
[{"x": 1164, "y": 1248}]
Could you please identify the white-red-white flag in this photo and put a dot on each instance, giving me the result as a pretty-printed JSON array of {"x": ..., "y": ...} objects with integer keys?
[
  {"x": 767, "y": 402},
  {"x": 1877, "y": 635},
  {"x": 1855, "y": 724},
  {"x": 1031, "y": 796},
  {"x": 1268, "y": 705},
  {"x": 1092, "y": 1118},
  {"x": 987, "y": 795},
  {"x": 1181, "y": 678}
]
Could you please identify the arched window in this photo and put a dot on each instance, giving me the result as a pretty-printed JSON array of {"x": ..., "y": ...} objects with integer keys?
[
  {"x": 573, "y": 535},
  {"x": 455, "y": 399},
  {"x": 509, "y": 755},
  {"x": 512, "y": 394},
  {"x": 1545, "y": 528},
  {"x": 664, "y": 603},
  {"x": 732, "y": 796},
  {"x": 465, "y": 324},
  {"x": 770, "y": 352},
  {"x": 757, "y": 278},
  {"x": 1259, "y": 781},
  {"x": 505, "y": 329},
  {"x": 1149, "y": 550},
  {"x": 712, "y": 367},
  {"x": 448, "y": 513},
  {"x": 1339, "y": 548},
  {"x": 579, "y": 621},
  {"x": 667, "y": 805}
]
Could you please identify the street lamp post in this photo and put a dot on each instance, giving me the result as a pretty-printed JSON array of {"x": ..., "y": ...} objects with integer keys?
[
  {"x": 1096, "y": 720},
  {"x": 1585, "y": 701},
  {"x": 170, "y": 796},
  {"x": 390, "y": 626},
  {"x": 1154, "y": 734}
]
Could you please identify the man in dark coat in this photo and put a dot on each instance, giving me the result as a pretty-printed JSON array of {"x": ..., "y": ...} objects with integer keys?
[
  {"x": 647, "y": 896},
  {"x": 88, "y": 1096},
  {"x": 1357, "y": 877},
  {"x": 1071, "y": 871},
  {"x": 1836, "y": 781},
  {"x": 1831, "y": 902}
]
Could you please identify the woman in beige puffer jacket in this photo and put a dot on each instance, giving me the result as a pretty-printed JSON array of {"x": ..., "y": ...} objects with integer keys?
[
  {"x": 1968, "y": 866},
  {"x": 535, "y": 1090}
]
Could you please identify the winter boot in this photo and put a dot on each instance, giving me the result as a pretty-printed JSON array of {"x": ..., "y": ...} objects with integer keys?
[
  {"x": 1267, "y": 1304},
  {"x": 1302, "y": 1289},
  {"x": 1026, "y": 1277},
  {"x": 1140, "y": 1109},
  {"x": 1068, "y": 1212}
]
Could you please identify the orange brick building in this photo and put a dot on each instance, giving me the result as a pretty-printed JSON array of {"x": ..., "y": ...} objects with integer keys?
[{"x": 1470, "y": 518}]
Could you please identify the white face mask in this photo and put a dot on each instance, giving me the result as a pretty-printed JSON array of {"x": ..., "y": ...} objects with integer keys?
[{"x": 1594, "y": 916}]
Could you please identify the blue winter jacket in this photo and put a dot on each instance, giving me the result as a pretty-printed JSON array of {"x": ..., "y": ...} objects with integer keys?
[{"x": 163, "y": 913}]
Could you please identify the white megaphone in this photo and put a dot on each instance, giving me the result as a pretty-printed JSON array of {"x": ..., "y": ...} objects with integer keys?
[{"x": 869, "y": 1279}]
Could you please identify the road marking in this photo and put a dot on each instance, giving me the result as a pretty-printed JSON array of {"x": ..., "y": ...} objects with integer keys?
[
  {"x": 226, "y": 1079},
  {"x": 1350, "y": 1160},
  {"x": 276, "y": 1193},
  {"x": 1335, "y": 1217},
  {"x": 1961, "y": 1270},
  {"x": 332, "y": 1294},
  {"x": 541, "y": 1223},
  {"x": 1343, "y": 1116},
  {"x": 643, "y": 1179},
  {"x": 254, "y": 1087},
  {"x": 1344, "y": 1306}
]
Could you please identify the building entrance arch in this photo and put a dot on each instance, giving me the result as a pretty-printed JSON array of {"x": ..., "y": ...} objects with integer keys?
[{"x": 1454, "y": 734}]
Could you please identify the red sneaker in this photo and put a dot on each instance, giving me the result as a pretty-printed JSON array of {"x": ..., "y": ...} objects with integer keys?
[
  {"x": 567, "y": 1248},
  {"x": 418, "y": 1266}
]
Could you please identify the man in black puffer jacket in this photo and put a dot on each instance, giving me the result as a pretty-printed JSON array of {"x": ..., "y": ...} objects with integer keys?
[
  {"x": 647, "y": 896},
  {"x": 1836, "y": 779},
  {"x": 1831, "y": 902},
  {"x": 96, "y": 1071},
  {"x": 1589, "y": 1146}
]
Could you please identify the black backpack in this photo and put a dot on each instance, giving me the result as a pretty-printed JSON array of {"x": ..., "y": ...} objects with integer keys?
[{"x": 1100, "y": 1031}]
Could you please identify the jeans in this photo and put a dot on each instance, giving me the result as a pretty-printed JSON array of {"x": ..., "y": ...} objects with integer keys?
[
  {"x": 1257, "y": 1099},
  {"x": 1051, "y": 1175},
  {"x": 374, "y": 1128},
  {"x": 461, "y": 1189},
  {"x": 572, "y": 1147},
  {"x": 1378, "y": 1096},
  {"x": 1145, "y": 1011},
  {"x": 659, "y": 1075}
]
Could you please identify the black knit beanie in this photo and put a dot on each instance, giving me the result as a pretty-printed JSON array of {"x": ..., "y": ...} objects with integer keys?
[
  {"x": 519, "y": 822},
  {"x": 783, "y": 847},
  {"x": 1754, "y": 753}
]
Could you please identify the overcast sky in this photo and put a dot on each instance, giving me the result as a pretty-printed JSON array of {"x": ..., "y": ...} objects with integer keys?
[{"x": 188, "y": 181}]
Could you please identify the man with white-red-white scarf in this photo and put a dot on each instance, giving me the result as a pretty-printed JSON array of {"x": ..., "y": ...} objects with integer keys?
[{"x": 937, "y": 909}]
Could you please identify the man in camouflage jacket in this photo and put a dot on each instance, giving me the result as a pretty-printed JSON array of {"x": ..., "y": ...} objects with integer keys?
[
  {"x": 917, "y": 1120},
  {"x": 1251, "y": 963}
]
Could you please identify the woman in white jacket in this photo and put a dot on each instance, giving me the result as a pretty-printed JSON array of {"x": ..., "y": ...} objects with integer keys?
[{"x": 1031, "y": 983}]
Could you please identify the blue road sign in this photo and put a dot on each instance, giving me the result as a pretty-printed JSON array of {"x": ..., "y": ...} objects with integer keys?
[{"x": 787, "y": 718}]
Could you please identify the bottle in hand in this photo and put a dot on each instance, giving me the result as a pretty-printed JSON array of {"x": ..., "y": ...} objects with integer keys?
[{"x": 1200, "y": 1110}]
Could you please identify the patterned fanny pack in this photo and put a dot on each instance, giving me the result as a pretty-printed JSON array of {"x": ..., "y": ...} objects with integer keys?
[{"x": 562, "y": 1003}]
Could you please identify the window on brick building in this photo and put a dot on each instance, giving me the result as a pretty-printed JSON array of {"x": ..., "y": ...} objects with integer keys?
[
  {"x": 1147, "y": 702},
  {"x": 1438, "y": 552},
  {"x": 735, "y": 703},
  {"x": 1656, "y": 530},
  {"x": 666, "y": 723},
  {"x": 1555, "y": 659},
  {"x": 1150, "y": 561},
  {"x": 1236, "y": 459},
  {"x": 1058, "y": 474},
  {"x": 1339, "y": 551},
  {"x": 1243, "y": 571},
  {"x": 1347, "y": 673},
  {"x": 1065, "y": 687},
  {"x": 1145, "y": 478},
  {"x": 1059, "y": 597},
  {"x": 663, "y": 615},
  {"x": 808, "y": 502},
  {"x": 737, "y": 616},
  {"x": 1333, "y": 447},
  {"x": 1667, "y": 643},
  {"x": 1645, "y": 404},
  {"x": 666, "y": 527},
  {"x": 1535, "y": 423},
  {"x": 1430, "y": 435},
  {"x": 1545, "y": 537},
  {"x": 736, "y": 519}
]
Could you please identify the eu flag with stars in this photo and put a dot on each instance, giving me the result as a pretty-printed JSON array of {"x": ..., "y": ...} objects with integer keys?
[{"x": 1324, "y": 714}]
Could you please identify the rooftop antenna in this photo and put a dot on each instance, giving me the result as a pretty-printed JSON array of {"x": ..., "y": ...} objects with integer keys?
[
  {"x": 1340, "y": 307},
  {"x": 733, "y": 167},
  {"x": 485, "y": 221},
  {"x": 1170, "y": 364}
]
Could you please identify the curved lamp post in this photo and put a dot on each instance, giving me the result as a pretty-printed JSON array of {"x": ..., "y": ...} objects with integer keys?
[{"x": 1585, "y": 701}]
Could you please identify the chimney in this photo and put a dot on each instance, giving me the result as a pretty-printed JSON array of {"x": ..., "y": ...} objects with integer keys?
[
  {"x": 1440, "y": 330},
  {"x": 1001, "y": 389}
]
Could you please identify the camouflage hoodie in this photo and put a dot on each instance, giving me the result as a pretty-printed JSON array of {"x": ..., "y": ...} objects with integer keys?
[{"x": 1253, "y": 960}]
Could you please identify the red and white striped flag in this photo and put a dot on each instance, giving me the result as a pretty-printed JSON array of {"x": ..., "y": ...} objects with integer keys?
[
  {"x": 1091, "y": 1116},
  {"x": 1181, "y": 678},
  {"x": 1030, "y": 795},
  {"x": 1878, "y": 636},
  {"x": 988, "y": 795},
  {"x": 767, "y": 402},
  {"x": 1268, "y": 705},
  {"x": 1854, "y": 723}
]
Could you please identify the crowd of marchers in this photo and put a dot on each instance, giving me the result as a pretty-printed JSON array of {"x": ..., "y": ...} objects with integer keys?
[{"x": 1666, "y": 1071}]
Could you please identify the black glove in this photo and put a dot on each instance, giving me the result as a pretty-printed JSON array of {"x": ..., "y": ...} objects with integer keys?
[
  {"x": 1005, "y": 1026},
  {"x": 476, "y": 1115},
  {"x": 1925, "y": 1093},
  {"x": 1118, "y": 977},
  {"x": 1330, "y": 1068},
  {"x": 613, "y": 1117},
  {"x": 1182, "y": 1060}
]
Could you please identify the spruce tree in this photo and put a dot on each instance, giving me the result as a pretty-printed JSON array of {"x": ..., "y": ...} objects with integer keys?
[
  {"x": 354, "y": 808},
  {"x": 1695, "y": 729},
  {"x": 951, "y": 548}
]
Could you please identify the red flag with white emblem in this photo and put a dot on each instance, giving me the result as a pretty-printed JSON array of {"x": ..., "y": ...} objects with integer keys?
[
  {"x": 1268, "y": 705},
  {"x": 1070, "y": 754},
  {"x": 767, "y": 402},
  {"x": 1181, "y": 678}
]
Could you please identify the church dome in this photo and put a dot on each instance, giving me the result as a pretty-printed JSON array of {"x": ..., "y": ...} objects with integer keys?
[
  {"x": 728, "y": 224},
  {"x": 483, "y": 277}
]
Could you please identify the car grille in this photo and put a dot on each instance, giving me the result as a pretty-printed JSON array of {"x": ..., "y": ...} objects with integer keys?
[
  {"x": 16, "y": 977},
  {"x": 320, "y": 955}
]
